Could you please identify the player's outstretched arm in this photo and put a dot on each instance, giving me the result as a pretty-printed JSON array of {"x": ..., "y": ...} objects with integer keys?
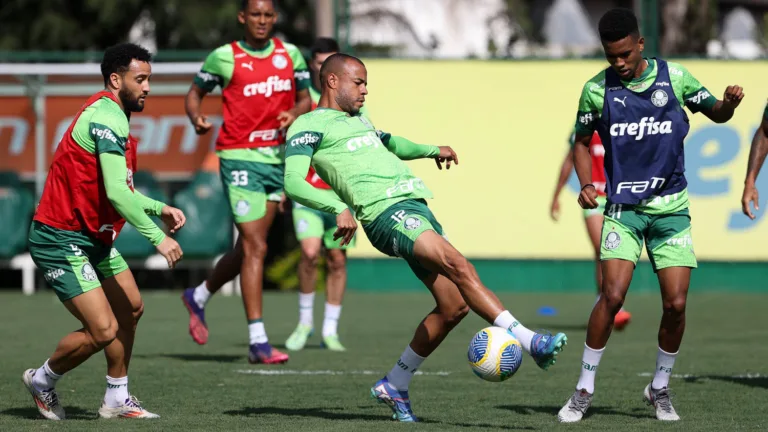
[
  {"x": 173, "y": 218},
  {"x": 757, "y": 154},
  {"x": 583, "y": 163},
  {"x": 723, "y": 110},
  {"x": 408, "y": 150},
  {"x": 298, "y": 189},
  {"x": 115, "y": 172}
]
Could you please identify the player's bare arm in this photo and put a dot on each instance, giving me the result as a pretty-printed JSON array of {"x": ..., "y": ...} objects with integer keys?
[
  {"x": 583, "y": 163},
  {"x": 565, "y": 171},
  {"x": 757, "y": 154},
  {"x": 723, "y": 110},
  {"x": 192, "y": 103}
]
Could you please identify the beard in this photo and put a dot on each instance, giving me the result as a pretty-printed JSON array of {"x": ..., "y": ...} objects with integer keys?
[
  {"x": 130, "y": 103},
  {"x": 347, "y": 103}
]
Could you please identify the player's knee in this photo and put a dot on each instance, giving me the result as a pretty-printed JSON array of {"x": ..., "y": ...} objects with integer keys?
[
  {"x": 453, "y": 316},
  {"x": 255, "y": 248},
  {"x": 310, "y": 255},
  {"x": 613, "y": 297},
  {"x": 104, "y": 333},
  {"x": 137, "y": 312},
  {"x": 336, "y": 262},
  {"x": 675, "y": 306},
  {"x": 458, "y": 267}
]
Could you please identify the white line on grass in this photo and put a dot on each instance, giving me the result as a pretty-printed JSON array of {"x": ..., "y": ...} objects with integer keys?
[
  {"x": 325, "y": 372},
  {"x": 689, "y": 376}
]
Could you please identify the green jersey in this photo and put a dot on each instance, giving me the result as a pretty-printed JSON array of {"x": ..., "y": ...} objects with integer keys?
[
  {"x": 217, "y": 70},
  {"x": 687, "y": 89},
  {"x": 363, "y": 165}
]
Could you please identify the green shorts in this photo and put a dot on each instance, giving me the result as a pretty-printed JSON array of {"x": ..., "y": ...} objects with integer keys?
[
  {"x": 66, "y": 259},
  {"x": 667, "y": 237},
  {"x": 311, "y": 223},
  {"x": 394, "y": 232},
  {"x": 249, "y": 185},
  {"x": 599, "y": 210}
]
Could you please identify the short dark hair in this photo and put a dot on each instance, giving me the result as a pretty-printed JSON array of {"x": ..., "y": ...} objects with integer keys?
[
  {"x": 324, "y": 45},
  {"x": 117, "y": 59},
  {"x": 244, "y": 4},
  {"x": 617, "y": 24},
  {"x": 333, "y": 63}
]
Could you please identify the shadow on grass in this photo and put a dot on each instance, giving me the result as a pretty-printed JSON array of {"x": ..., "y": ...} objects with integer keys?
[
  {"x": 553, "y": 410},
  {"x": 218, "y": 358},
  {"x": 336, "y": 413},
  {"x": 30, "y": 413},
  {"x": 757, "y": 382}
]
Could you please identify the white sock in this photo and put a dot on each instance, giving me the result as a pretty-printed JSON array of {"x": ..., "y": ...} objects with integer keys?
[
  {"x": 201, "y": 294},
  {"x": 664, "y": 363},
  {"x": 331, "y": 321},
  {"x": 256, "y": 332},
  {"x": 519, "y": 331},
  {"x": 45, "y": 378},
  {"x": 306, "y": 313},
  {"x": 589, "y": 362},
  {"x": 117, "y": 391},
  {"x": 401, "y": 374}
]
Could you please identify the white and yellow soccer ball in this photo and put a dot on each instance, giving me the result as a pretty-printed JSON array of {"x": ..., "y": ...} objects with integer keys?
[{"x": 494, "y": 354}]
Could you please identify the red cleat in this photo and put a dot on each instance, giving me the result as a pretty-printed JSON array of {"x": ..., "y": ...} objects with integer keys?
[
  {"x": 265, "y": 354},
  {"x": 621, "y": 320}
]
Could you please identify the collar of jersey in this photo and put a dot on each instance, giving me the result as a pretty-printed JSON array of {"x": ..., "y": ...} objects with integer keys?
[
  {"x": 251, "y": 50},
  {"x": 646, "y": 73},
  {"x": 335, "y": 110}
]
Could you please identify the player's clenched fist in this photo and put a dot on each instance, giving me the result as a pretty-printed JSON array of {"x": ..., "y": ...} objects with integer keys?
[
  {"x": 201, "y": 125},
  {"x": 171, "y": 250},
  {"x": 733, "y": 96},
  {"x": 346, "y": 227},
  {"x": 588, "y": 197}
]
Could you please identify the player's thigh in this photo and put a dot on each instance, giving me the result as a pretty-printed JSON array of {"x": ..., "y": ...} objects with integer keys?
[
  {"x": 446, "y": 294},
  {"x": 252, "y": 188},
  {"x": 669, "y": 241},
  {"x": 396, "y": 231},
  {"x": 124, "y": 298},
  {"x": 594, "y": 226},
  {"x": 674, "y": 283},
  {"x": 64, "y": 258},
  {"x": 94, "y": 313}
]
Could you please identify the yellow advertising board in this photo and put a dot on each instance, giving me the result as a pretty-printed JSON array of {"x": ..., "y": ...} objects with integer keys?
[{"x": 509, "y": 123}]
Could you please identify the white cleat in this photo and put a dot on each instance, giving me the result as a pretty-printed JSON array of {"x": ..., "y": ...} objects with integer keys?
[
  {"x": 661, "y": 401},
  {"x": 47, "y": 401},
  {"x": 130, "y": 409},
  {"x": 575, "y": 408}
]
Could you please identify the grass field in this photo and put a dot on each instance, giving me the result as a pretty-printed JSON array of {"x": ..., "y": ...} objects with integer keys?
[{"x": 214, "y": 388}]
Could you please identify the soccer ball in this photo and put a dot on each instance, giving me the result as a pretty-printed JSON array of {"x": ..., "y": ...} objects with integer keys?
[{"x": 494, "y": 354}]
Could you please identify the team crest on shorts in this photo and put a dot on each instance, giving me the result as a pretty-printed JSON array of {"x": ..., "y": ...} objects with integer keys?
[
  {"x": 242, "y": 208},
  {"x": 302, "y": 226},
  {"x": 279, "y": 61},
  {"x": 612, "y": 240},
  {"x": 412, "y": 223},
  {"x": 659, "y": 98},
  {"x": 88, "y": 273}
]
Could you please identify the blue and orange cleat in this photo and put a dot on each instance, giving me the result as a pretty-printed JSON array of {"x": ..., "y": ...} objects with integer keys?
[
  {"x": 264, "y": 353},
  {"x": 198, "y": 329},
  {"x": 545, "y": 347},
  {"x": 396, "y": 400}
]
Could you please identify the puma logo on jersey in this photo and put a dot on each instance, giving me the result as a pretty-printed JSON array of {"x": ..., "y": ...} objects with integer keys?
[
  {"x": 104, "y": 134},
  {"x": 248, "y": 65},
  {"x": 621, "y": 101},
  {"x": 272, "y": 85},
  {"x": 647, "y": 126}
]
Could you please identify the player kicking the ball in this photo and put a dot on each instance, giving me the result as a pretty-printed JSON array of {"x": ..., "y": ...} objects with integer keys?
[
  {"x": 365, "y": 169},
  {"x": 637, "y": 107},
  {"x": 87, "y": 199}
]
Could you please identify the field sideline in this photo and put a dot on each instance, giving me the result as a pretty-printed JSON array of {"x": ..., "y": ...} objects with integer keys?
[{"x": 213, "y": 387}]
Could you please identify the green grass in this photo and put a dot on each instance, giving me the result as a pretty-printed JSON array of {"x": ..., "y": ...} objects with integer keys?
[{"x": 199, "y": 388}]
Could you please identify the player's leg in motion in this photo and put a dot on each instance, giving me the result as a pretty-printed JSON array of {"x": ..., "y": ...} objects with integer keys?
[
  {"x": 457, "y": 288},
  {"x": 125, "y": 301},
  {"x": 594, "y": 222},
  {"x": 674, "y": 282},
  {"x": 226, "y": 269},
  {"x": 92, "y": 309},
  {"x": 335, "y": 285},
  {"x": 310, "y": 254}
]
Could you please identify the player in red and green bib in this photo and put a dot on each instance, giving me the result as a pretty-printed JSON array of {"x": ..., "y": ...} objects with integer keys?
[
  {"x": 364, "y": 167},
  {"x": 314, "y": 230},
  {"x": 757, "y": 154},
  {"x": 264, "y": 85},
  {"x": 593, "y": 218},
  {"x": 637, "y": 106},
  {"x": 87, "y": 199}
]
